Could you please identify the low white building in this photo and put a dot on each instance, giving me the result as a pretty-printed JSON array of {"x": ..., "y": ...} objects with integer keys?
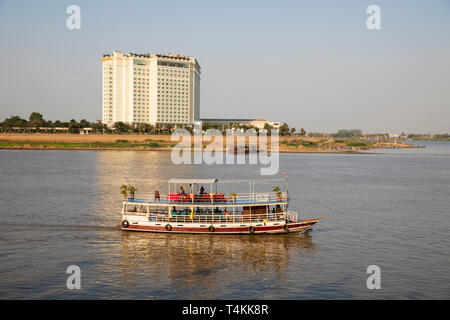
[{"x": 258, "y": 123}]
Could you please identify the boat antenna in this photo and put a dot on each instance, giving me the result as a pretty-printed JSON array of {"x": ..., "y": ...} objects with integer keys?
[{"x": 287, "y": 184}]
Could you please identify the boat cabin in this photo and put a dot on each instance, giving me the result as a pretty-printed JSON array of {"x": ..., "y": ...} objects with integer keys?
[{"x": 190, "y": 200}]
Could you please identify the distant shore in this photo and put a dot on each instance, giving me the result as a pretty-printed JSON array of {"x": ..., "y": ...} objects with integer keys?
[{"x": 137, "y": 142}]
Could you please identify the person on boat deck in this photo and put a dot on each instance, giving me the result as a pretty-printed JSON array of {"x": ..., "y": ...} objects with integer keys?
[
  {"x": 182, "y": 190},
  {"x": 228, "y": 215},
  {"x": 174, "y": 210},
  {"x": 202, "y": 190},
  {"x": 198, "y": 210}
]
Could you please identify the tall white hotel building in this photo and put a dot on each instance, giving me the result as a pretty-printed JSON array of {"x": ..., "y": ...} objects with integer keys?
[{"x": 150, "y": 88}]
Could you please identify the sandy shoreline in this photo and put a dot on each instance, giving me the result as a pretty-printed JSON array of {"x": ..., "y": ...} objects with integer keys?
[
  {"x": 128, "y": 142},
  {"x": 161, "y": 149}
]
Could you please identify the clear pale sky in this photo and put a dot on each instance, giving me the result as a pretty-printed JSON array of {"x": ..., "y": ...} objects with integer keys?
[{"x": 312, "y": 64}]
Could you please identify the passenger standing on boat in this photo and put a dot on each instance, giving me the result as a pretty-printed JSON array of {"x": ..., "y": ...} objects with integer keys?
[
  {"x": 182, "y": 190},
  {"x": 202, "y": 190},
  {"x": 228, "y": 215}
]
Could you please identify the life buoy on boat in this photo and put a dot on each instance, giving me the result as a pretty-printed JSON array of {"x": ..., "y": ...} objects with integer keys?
[
  {"x": 211, "y": 229},
  {"x": 125, "y": 224},
  {"x": 168, "y": 227},
  {"x": 251, "y": 229}
]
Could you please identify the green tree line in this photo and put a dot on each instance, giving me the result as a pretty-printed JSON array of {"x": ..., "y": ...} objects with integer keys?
[{"x": 36, "y": 123}]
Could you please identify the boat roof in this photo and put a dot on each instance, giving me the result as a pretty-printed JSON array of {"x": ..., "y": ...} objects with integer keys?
[
  {"x": 209, "y": 181},
  {"x": 193, "y": 181}
]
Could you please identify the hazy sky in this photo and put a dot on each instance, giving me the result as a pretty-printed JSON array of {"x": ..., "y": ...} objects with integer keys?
[{"x": 313, "y": 64}]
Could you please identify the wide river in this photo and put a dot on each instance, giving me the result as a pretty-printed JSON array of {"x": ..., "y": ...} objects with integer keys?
[{"x": 390, "y": 209}]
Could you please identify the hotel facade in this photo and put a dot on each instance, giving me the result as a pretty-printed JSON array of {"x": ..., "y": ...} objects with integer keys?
[{"x": 150, "y": 88}]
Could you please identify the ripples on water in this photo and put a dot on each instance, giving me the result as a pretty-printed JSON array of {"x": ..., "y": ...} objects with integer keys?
[{"x": 59, "y": 208}]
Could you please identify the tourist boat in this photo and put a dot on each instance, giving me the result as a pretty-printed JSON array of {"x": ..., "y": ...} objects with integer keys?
[{"x": 199, "y": 210}]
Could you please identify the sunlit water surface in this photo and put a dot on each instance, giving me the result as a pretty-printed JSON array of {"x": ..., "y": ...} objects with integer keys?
[{"x": 390, "y": 209}]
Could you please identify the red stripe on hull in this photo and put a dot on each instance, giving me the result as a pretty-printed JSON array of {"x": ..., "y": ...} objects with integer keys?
[
  {"x": 272, "y": 229},
  {"x": 202, "y": 230}
]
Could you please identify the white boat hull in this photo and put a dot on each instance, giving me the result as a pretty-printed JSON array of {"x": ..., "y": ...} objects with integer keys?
[{"x": 137, "y": 223}]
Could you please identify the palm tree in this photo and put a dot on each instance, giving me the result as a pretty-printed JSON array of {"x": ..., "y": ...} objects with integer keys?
[
  {"x": 132, "y": 191},
  {"x": 124, "y": 191},
  {"x": 277, "y": 191}
]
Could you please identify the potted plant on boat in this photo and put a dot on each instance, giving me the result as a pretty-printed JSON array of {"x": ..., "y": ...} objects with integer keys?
[
  {"x": 124, "y": 191},
  {"x": 233, "y": 196},
  {"x": 278, "y": 193},
  {"x": 132, "y": 191}
]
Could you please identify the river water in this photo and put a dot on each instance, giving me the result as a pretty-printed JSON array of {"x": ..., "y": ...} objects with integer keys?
[{"x": 391, "y": 209}]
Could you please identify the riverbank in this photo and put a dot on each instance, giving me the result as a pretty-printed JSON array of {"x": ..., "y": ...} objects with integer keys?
[{"x": 45, "y": 141}]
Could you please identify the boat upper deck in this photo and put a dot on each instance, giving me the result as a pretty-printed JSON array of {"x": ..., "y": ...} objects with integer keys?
[
  {"x": 211, "y": 199},
  {"x": 204, "y": 193}
]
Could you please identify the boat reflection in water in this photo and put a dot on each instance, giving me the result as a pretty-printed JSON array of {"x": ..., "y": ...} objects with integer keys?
[{"x": 205, "y": 266}]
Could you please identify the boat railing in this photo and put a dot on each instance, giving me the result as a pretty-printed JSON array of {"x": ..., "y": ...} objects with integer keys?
[
  {"x": 212, "y": 218},
  {"x": 212, "y": 198},
  {"x": 292, "y": 216}
]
